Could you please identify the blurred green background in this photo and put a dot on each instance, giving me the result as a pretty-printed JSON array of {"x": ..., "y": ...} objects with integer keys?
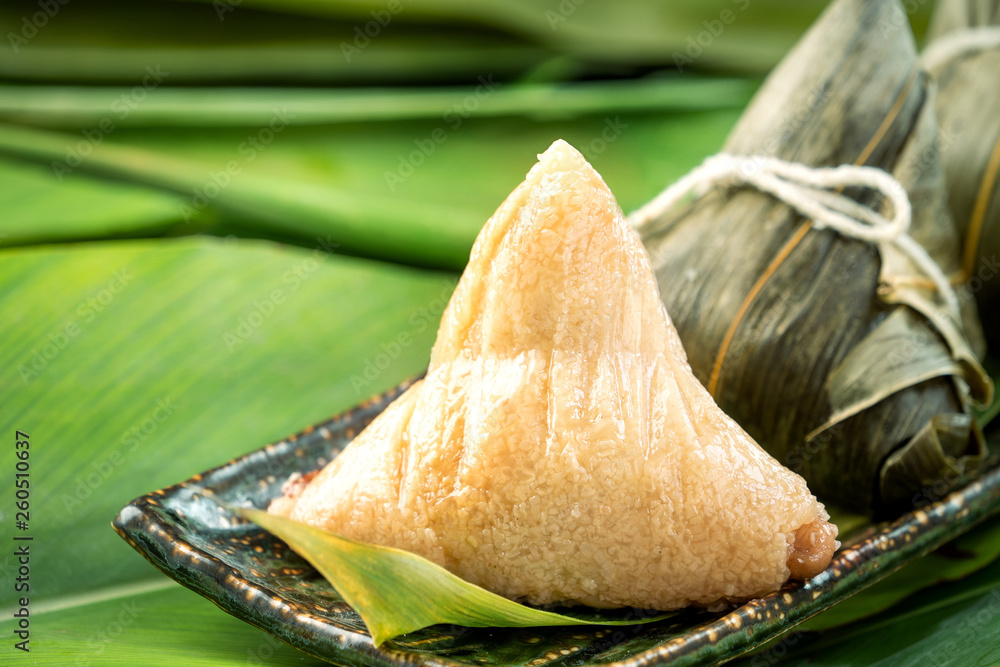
[{"x": 214, "y": 215}]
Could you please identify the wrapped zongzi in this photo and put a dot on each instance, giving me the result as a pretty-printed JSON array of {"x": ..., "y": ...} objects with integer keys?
[
  {"x": 964, "y": 58},
  {"x": 842, "y": 356}
]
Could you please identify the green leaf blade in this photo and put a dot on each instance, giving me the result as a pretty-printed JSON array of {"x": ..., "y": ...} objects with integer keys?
[
  {"x": 173, "y": 392},
  {"x": 396, "y": 592}
]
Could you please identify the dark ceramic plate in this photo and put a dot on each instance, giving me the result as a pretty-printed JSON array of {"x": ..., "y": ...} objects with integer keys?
[{"x": 255, "y": 577}]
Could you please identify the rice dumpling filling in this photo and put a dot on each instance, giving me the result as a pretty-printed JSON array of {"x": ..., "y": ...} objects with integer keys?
[{"x": 560, "y": 450}]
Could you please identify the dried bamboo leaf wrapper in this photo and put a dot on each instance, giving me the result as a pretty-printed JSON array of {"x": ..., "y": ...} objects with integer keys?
[
  {"x": 968, "y": 106},
  {"x": 769, "y": 308},
  {"x": 952, "y": 15}
]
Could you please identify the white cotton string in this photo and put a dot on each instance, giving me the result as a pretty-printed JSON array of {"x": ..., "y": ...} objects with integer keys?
[
  {"x": 814, "y": 193},
  {"x": 956, "y": 44}
]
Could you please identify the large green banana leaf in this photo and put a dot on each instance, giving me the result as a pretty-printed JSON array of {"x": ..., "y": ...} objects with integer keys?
[
  {"x": 134, "y": 364},
  {"x": 156, "y": 623},
  {"x": 86, "y": 107},
  {"x": 361, "y": 183},
  {"x": 180, "y": 375},
  {"x": 38, "y": 208},
  {"x": 421, "y": 40},
  {"x": 944, "y": 625},
  {"x": 100, "y": 42}
]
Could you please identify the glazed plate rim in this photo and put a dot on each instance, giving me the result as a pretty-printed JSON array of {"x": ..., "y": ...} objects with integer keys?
[{"x": 857, "y": 565}]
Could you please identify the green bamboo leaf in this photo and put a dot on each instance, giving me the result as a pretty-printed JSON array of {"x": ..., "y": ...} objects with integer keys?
[
  {"x": 396, "y": 592},
  {"x": 426, "y": 41},
  {"x": 953, "y": 624},
  {"x": 430, "y": 41},
  {"x": 204, "y": 43},
  {"x": 87, "y": 106},
  {"x": 424, "y": 234},
  {"x": 136, "y": 364},
  {"x": 39, "y": 208},
  {"x": 965, "y": 555},
  {"x": 151, "y": 622},
  {"x": 394, "y": 59},
  {"x": 314, "y": 181},
  {"x": 743, "y": 36}
]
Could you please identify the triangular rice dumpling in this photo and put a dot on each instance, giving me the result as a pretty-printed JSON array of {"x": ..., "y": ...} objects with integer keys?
[
  {"x": 833, "y": 352},
  {"x": 560, "y": 448},
  {"x": 966, "y": 69}
]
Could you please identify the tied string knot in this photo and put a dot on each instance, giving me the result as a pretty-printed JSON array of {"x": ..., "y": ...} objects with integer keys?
[{"x": 815, "y": 193}]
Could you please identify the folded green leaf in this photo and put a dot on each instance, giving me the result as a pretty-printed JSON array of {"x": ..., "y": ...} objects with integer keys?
[
  {"x": 39, "y": 208},
  {"x": 331, "y": 181},
  {"x": 88, "y": 106},
  {"x": 396, "y": 592}
]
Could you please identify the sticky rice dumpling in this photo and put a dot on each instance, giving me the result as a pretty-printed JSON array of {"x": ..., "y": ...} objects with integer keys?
[
  {"x": 963, "y": 56},
  {"x": 559, "y": 449},
  {"x": 834, "y": 353}
]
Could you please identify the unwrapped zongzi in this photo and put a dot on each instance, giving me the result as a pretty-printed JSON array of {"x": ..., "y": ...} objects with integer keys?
[{"x": 559, "y": 448}]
